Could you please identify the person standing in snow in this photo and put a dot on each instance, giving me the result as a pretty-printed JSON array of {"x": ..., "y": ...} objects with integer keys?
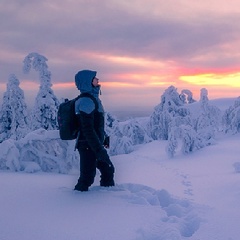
[{"x": 91, "y": 136}]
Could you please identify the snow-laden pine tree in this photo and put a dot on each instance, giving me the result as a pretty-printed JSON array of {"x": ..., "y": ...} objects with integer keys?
[
  {"x": 231, "y": 118},
  {"x": 208, "y": 122},
  {"x": 172, "y": 145},
  {"x": 183, "y": 136},
  {"x": 171, "y": 106},
  {"x": 181, "y": 130},
  {"x": 14, "y": 115},
  {"x": 44, "y": 113},
  {"x": 136, "y": 131},
  {"x": 124, "y": 135},
  {"x": 194, "y": 131},
  {"x": 119, "y": 144}
]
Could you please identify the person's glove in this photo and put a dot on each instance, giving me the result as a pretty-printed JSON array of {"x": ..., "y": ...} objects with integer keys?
[{"x": 106, "y": 142}]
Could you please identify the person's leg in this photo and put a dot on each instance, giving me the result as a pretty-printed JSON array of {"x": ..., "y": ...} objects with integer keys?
[
  {"x": 87, "y": 169},
  {"x": 107, "y": 174}
]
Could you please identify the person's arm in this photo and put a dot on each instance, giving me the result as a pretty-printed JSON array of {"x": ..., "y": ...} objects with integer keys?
[
  {"x": 87, "y": 123},
  {"x": 88, "y": 131}
]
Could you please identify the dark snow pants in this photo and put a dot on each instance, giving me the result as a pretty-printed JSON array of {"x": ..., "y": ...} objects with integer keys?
[{"x": 88, "y": 166}]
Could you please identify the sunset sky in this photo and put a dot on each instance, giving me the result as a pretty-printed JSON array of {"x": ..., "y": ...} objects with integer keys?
[{"x": 138, "y": 47}]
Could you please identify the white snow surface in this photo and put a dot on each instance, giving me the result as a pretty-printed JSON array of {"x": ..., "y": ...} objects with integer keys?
[{"x": 194, "y": 196}]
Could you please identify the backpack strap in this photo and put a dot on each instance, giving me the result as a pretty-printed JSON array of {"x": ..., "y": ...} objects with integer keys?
[{"x": 82, "y": 95}]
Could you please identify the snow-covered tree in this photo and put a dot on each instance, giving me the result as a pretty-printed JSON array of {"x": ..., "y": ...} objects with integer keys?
[
  {"x": 208, "y": 122},
  {"x": 204, "y": 98},
  {"x": 171, "y": 106},
  {"x": 185, "y": 137},
  {"x": 109, "y": 122},
  {"x": 135, "y": 130},
  {"x": 172, "y": 145},
  {"x": 14, "y": 119},
  {"x": 39, "y": 150},
  {"x": 44, "y": 114},
  {"x": 124, "y": 135},
  {"x": 194, "y": 132},
  {"x": 119, "y": 144},
  {"x": 186, "y": 96},
  {"x": 190, "y": 140},
  {"x": 231, "y": 118}
]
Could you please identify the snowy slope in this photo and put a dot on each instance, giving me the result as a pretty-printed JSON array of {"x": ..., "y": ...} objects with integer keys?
[{"x": 187, "y": 197}]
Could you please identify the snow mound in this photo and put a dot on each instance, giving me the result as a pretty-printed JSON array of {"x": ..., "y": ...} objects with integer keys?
[{"x": 40, "y": 150}]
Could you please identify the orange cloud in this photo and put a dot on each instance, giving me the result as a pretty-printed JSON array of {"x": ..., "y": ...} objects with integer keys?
[
  {"x": 213, "y": 79},
  {"x": 140, "y": 80}
]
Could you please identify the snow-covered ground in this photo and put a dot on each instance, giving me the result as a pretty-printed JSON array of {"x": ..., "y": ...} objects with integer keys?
[{"x": 194, "y": 196}]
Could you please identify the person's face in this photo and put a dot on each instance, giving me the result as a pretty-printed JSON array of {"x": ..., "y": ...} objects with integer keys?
[{"x": 95, "y": 82}]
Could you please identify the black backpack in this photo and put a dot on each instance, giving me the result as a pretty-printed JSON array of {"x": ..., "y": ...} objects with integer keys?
[{"x": 68, "y": 122}]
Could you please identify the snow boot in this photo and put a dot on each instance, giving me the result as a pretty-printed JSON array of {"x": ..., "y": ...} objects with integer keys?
[
  {"x": 81, "y": 188},
  {"x": 107, "y": 174},
  {"x": 107, "y": 183}
]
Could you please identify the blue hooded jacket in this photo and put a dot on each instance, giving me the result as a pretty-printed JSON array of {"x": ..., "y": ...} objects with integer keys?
[
  {"x": 83, "y": 81},
  {"x": 92, "y": 120},
  {"x": 91, "y": 132}
]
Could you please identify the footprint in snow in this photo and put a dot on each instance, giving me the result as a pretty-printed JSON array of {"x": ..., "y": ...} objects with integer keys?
[{"x": 180, "y": 213}]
